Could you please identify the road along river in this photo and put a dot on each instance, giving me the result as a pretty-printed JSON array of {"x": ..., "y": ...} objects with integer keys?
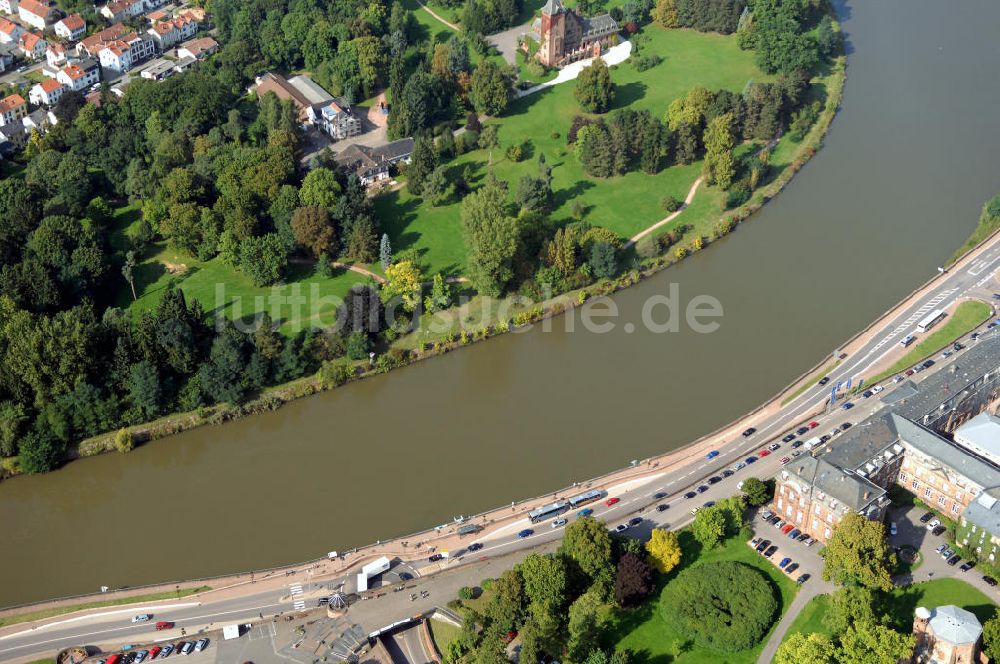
[{"x": 907, "y": 166}]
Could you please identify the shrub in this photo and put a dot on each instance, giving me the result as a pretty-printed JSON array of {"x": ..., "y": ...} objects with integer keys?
[
  {"x": 486, "y": 584},
  {"x": 123, "y": 441},
  {"x": 515, "y": 152},
  {"x": 554, "y": 136},
  {"x": 465, "y": 593},
  {"x": 738, "y": 195},
  {"x": 670, "y": 204},
  {"x": 644, "y": 62}
]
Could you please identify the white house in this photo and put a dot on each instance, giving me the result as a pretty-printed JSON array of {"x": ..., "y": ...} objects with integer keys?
[
  {"x": 80, "y": 75},
  {"x": 172, "y": 31},
  {"x": 46, "y": 93},
  {"x": 55, "y": 54},
  {"x": 119, "y": 10},
  {"x": 12, "y": 109},
  {"x": 10, "y": 32},
  {"x": 71, "y": 28},
  {"x": 8, "y": 6},
  {"x": 32, "y": 45},
  {"x": 36, "y": 14},
  {"x": 123, "y": 54},
  {"x": 198, "y": 49},
  {"x": 93, "y": 44}
]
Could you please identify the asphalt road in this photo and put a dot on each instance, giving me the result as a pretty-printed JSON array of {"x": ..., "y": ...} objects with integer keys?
[{"x": 114, "y": 626}]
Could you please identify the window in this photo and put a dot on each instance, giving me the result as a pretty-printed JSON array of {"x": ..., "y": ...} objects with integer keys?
[
  {"x": 829, "y": 518},
  {"x": 788, "y": 511},
  {"x": 798, "y": 518},
  {"x": 781, "y": 491},
  {"x": 914, "y": 485},
  {"x": 815, "y": 525},
  {"x": 955, "y": 508},
  {"x": 781, "y": 503},
  {"x": 941, "y": 499},
  {"x": 826, "y": 533},
  {"x": 902, "y": 477},
  {"x": 927, "y": 493}
]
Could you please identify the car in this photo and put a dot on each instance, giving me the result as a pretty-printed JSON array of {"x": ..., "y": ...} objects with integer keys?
[
  {"x": 740, "y": 466},
  {"x": 802, "y": 579},
  {"x": 662, "y": 508},
  {"x": 695, "y": 510},
  {"x": 845, "y": 426},
  {"x": 787, "y": 527},
  {"x": 966, "y": 566},
  {"x": 796, "y": 453},
  {"x": 892, "y": 529},
  {"x": 749, "y": 432},
  {"x": 527, "y": 532},
  {"x": 947, "y": 553},
  {"x": 928, "y": 364},
  {"x": 813, "y": 424},
  {"x": 141, "y": 656},
  {"x": 953, "y": 560},
  {"x": 957, "y": 347},
  {"x": 586, "y": 511},
  {"x": 727, "y": 473},
  {"x": 974, "y": 336},
  {"x": 621, "y": 527},
  {"x": 785, "y": 460},
  {"x": 774, "y": 519},
  {"x": 559, "y": 523},
  {"x": 770, "y": 551},
  {"x": 823, "y": 381},
  {"x": 779, "y": 523},
  {"x": 941, "y": 549},
  {"x": 164, "y": 624},
  {"x": 797, "y": 444},
  {"x": 766, "y": 514},
  {"x": 802, "y": 430},
  {"x": 435, "y": 557},
  {"x": 154, "y": 651},
  {"x": 824, "y": 438},
  {"x": 918, "y": 368},
  {"x": 201, "y": 645},
  {"x": 867, "y": 394},
  {"x": 784, "y": 562},
  {"x": 898, "y": 378},
  {"x": 933, "y": 524},
  {"x": 803, "y": 537},
  {"x": 712, "y": 454},
  {"x": 990, "y": 581},
  {"x": 764, "y": 453},
  {"x": 927, "y": 517},
  {"x": 167, "y": 649},
  {"x": 789, "y": 438},
  {"x": 142, "y": 617},
  {"x": 476, "y": 546},
  {"x": 909, "y": 372},
  {"x": 714, "y": 479},
  {"x": 773, "y": 446},
  {"x": 660, "y": 494},
  {"x": 612, "y": 501},
  {"x": 877, "y": 389},
  {"x": 938, "y": 531},
  {"x": 795, "y": 533},
  {"x": 179, "y": 649},
  {"x": 755, "y": 541},
  {"x": 702, "y": 488},
  {"x": 763, "y": 545},
  {"x": 791, "y": 568},
  {"x": 130, "y": 658},
  {"x": 634, "y": 521},
  {"x": 690, "y": 494},
  {"x": 708, "y": 503},
  {"x": 847, "y": 405}
]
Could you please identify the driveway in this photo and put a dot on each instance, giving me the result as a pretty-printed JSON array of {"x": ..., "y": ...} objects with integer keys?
[{"x": 506, "y": 41}]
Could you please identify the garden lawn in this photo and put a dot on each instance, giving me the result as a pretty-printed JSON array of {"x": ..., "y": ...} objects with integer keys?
[
  {"x": 428, "y": 26},
  {"x": 443, "y": 633},
  {"x": 625, "y": 204},
  {"x": 646, "y": 631},
  {"x": 966, "y": 317},
  {"x": 221, "y": 289}
]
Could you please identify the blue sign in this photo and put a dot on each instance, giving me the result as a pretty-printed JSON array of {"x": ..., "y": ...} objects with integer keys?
[
  {"x": 833, "y": 395},
  {"x": 848, "y": 386}
]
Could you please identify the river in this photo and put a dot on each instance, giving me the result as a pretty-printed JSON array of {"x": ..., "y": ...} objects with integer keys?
[{"x": 899, "y": 185}]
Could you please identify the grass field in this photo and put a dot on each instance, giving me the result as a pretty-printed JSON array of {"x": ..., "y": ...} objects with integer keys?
[
  {"x": 966, "y": 317},
  {"x": 624, "y": 204},
  {"x": 646, "y": 631},
  {"x": 902, "y": 603},
  {"x": 443, "y": 633},
  {"x": 61, "y": 610}
]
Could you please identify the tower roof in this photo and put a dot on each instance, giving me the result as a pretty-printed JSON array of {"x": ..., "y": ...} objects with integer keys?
[
  {"x": 552, "y": 7},
  {"x": 955, "y": 625}
]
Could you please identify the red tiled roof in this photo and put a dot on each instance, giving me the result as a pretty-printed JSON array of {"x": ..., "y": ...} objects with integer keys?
[
  {"x": 74, "y": 22},
  {"x": 36, "y": 8},
  {"x": 95, "y": 41},
  {"x": 50, "y": 85},
  {"x": 73, "y": 71},
  {"x": 10, "y": 102},
  {"x": 29, "y": 40},
  {"x": 8, "y": 27}
]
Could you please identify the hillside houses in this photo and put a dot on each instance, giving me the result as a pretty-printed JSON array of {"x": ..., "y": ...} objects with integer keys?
[
  {"x": 10, "y": 32},
  {"x": 38, "y": 15},
  {"x": 71, "y": 28},
  {"x": 47, "y": 92},
  {"x": 32, "y": 45},
  {"x": 126, "y": 52},
  {"x": 172, "y": 31}
]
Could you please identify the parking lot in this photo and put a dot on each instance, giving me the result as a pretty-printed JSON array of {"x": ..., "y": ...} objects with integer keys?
[{"x": 803, "y": 557}]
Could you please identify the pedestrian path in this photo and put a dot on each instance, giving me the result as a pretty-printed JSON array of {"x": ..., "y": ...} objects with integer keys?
[
  {"x": 613, "y": 56},
  {"x": 298, "y": 603},
  {"x": 670, "y": 217},
  {"x": 815, "y": 586}
]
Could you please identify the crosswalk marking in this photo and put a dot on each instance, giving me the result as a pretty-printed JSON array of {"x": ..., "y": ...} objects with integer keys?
[
  {"x": 296, "y": 589},
  {"x": 299, "y": 605}
]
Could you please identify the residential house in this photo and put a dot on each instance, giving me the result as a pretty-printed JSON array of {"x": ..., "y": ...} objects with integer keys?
[
  {"x": 154, "y": 4},
  {"x": 46, "y": 93},
  {"x": 6, "y": 56},
  {"x": 12, "y": 109},
  {"x": 119, "y": 10},
  {"x": 167, "y": 33},
  {"x": 93, "y": 44},
  {"x": 40, "y": 120},
  {"x": 80, "y": 75},
  {"x": 37, "y": 14},
  {"x": 198, "y": 49},
  {"x": 372, "y": 165},
  {"x": 33, "y": 45},
  {"x": 10, "y": 32},
  {"x": 12, "y": 137},
  {"x": 71, "y": 28},
  {"x": 8, "y": 6},
  {"x": 566, "y": 35},
  {"x": 335, "y": 119},
  {"x": 55, "y": 54},
  {"x": 158, "y": 15},
  {"x": 283, "y": 89},
  {"x": 125, "y": 53}
]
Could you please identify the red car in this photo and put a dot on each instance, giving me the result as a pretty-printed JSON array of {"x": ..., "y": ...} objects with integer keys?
[
  {"x": 154, "y": 651},
  {"x": 763, "y": 453},
  {"x": 164, "y": 624},
  {"x": 611, "y": 501},
  {"x": 813, "y": 425},
  {"x": 787, "y": 529}
]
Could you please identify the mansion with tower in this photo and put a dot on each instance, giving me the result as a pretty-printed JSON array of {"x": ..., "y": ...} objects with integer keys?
[{"x": 565, "y": 36}]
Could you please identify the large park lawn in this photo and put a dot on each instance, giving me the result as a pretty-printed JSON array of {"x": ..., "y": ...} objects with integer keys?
[
  {"x": 624, "y": 204},
  {"x": 647, "y": 631},
  {"x": 903, "y": 601}
]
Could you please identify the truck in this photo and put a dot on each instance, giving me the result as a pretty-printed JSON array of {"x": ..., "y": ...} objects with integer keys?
[{"x": 812, "y": 442}]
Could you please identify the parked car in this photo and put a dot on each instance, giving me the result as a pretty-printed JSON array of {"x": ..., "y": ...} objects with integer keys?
[
  {"x": 928, "y": 364},
  {"x": 559, "y": 523},
  {"x": 941, "y": 549},
  {"x": 785, "y": 460},
  {"x": 660, "y": 494},
  {"x": 702, "y": 488},
  {"x": 787, "y": 528},
  {"x": 142, "y": 617},
  {"x": 728, "y": 473},
  {"x": 847, "y": 405},
  {"x": 740, "y": 466},
  {"x": 938, "y": 531},
  {"x": 791, "y": 568},
  {"x": 803, "y": 537},
  {"x": 845, "y": 426},
  {"x": 802, "y": 430},
  {"x": 708, "y": 503},
  {"x": 612, "y": 501},
  {"x": 763, "y": 545},
  {"x": 435, "y": 557},
  {"x": 714, "y": 479},
  {"x": 933, "y": 524},
  {"x": 813, "y": 424},
  {"x": 797, "y": 444},
  {"x": 764, "y": 453},
  {"x": 621, "y": 527},
  {"x": 784, "y": 562},
  {"x": 755, "y": 541},
  {"x": 947, "y": 553},
  {"x": 802, "y": 579},
  {"x": 770, "y": 551},
  {"x": 773, "y": 446},
  {"x": 967, "y": 565},
  {"x": 750, "y": 459},
  {"x": 766, "y": 514},
  {"x": 927, "y": 517},
  {"x": 141, "y": 656},
  {"x": 749, "y": 432},
  {"x": 527, "y": 532},
  {"x": 167, "y": 649},
  {"x": 892, "y": 529},
  {"x": 877, "y": 389},
  {"x": 796, "y": 453},
  {"x": 867, "y": 394},
  {"x": 634, "y": 521},
  {"x": 201, "y": 645},
  {"x": 990, "y": 581},
  {"x": 154, "y": 651},
  {"x": 953, "y": 560},
  {"x": 184, "y": 647},
  {"x": 476, "y": 546},
  {"x": 824, "y": 438},
  {"x": 957, "y": 347},
  {"x": 789, "y": 438},
  {"x": 795, "y": 533},
  {"x": 662, "y": 508}
]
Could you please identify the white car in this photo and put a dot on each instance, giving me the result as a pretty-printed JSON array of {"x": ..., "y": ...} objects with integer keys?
[
  {"x": 558, "y": 523},
  {"x": 933, "y": 524},
  {"x": 142, "y": 617},
  {"x": 877, "y": 389},
  {"x": 892, "y": 529}
]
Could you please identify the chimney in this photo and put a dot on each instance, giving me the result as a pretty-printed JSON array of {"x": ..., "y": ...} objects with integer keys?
[{"x": 868, "y": 495}]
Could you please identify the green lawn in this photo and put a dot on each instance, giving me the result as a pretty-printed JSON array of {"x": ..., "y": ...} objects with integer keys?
[
  {"x": 902, "y": 603},
  {"x": 428, "y": 26},
  {"x": 624, "y": 204},
  {"x": 443, "y": 633},
  {"x": 966, "y": 317},
  {"x": 648, "y": 633}
]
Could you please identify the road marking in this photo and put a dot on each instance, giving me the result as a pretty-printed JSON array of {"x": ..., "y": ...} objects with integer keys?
[
  {"x": 104, "y": 614},
  {"x": 299, "y": 605}
]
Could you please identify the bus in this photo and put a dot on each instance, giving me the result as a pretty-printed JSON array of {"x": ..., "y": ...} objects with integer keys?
[
  {"x": 547, "y": 511},
  {"x": 932, "y": 319},
  {"x": 584, "y": 498}
]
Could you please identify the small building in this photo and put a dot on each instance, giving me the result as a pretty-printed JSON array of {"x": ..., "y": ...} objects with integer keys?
[
  {"x": 10, "y": 32},
  {"x": 6, "y": 56},
  {"x": 46, "y": 93},
  {"x": 372, "y": 165},
  {"x": 172, "y": 31},
  {"x": 55, "y": 54},
  {"x": 199, "y": 48},
  {"x": 158, "y": 70},
  {"x": 119, "y": 10},
  {"x": 125, "y": 53},
  {"x": 947, "y": 635},
  {"x": 566, "y": 36},
  {"x": 981, "y": 436},
  {"x": 12, "y": 109},
  {"x": 336, "y": 119},
  {"x": 33, "y": 45},
  {"x": 37, "y": 14},
  {"x": 92, "y": 45},
  {"x": 71, "y": 28},
  {"x": 80, "y": 75}
]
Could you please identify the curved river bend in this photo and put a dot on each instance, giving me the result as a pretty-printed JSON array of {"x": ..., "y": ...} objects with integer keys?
[{"x": 907, "y": 166}]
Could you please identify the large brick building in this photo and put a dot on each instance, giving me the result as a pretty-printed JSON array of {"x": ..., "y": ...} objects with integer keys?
[{"x": 565, "y": 35}]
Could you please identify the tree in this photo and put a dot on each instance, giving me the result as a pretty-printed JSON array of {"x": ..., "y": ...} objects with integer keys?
[
  {"x": 709, "y": 527},
  {"x": 585, "y": 624},
  {"x": 128, "y": 271},
  {"x": 869, "y": 643},
  {"x": 757, "y": 492},
  {"x": 545, "y": 583},
  {"x": 664, "y": 550},
  {"x": 506, "y": 608},
  {"x": 319, "y": 189},
  {"x": 440, "y": 296},
  {"x": 587, "y": 542},
  {"x": 633, "y": 580},
  {"x": 404, "y": 282},
  {"x": 849, "y": 605},
  {"x": 991, "y": 638},
  {"x": 313, "y": 230},
  {"x": 665, "y": 14},
  {"x": 385, "y": 251},
  {"x": 423, "y": 161},
  {"x": 491, "y": 236},
  {"x": 859, "y": 554},
  {"x": 603, "y": 262},
  {"x": 263, "y": 259},
  {"x": 720, "y": 165},
  {"x": 222, "y": 376},
  {"x": 13, "y": 421},
  {"x": 40, "y": 451},
  {"x": 436, "y": 187},
  {"x": 490, "y": 90},
  {"x": 145, "y": 390},
  {"x": 800, "y": 648},
  {"x": 594, "y": 89}
]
